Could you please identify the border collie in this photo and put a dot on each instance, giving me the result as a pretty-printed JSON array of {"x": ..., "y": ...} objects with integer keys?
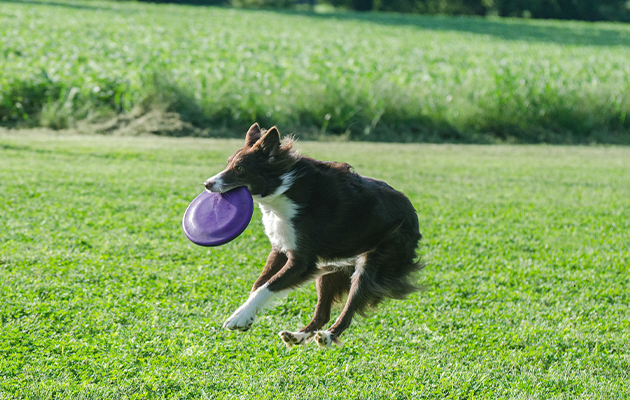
[{"x": 352, "y": 234}]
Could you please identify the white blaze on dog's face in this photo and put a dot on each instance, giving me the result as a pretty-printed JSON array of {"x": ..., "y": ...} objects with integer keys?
[{"x": 255, "y": 166}]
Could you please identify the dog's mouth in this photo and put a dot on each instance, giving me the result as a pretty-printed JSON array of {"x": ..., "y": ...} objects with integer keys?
[
  {"x": 214, "y": 188},
  {"x": 214, "y": 184},
  {"x": 217, "y": 185}
]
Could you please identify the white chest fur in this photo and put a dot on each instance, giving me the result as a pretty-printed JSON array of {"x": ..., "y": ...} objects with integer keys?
[{"x": 278, "y": 212}]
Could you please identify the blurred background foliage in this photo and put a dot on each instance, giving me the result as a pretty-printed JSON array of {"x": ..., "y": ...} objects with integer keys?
[
  {"x": 585, "y": 10},
  {"x": 133, "y": 67}
]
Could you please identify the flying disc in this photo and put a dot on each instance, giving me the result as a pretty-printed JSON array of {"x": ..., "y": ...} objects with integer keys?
[{"x": 213, "y": 219}]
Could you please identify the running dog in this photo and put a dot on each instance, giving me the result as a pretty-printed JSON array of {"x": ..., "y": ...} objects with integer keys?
[{"x": 353, "y": 235}]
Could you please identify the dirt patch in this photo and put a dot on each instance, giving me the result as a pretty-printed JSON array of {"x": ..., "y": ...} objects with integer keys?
[{"x": 139, "y": 122}]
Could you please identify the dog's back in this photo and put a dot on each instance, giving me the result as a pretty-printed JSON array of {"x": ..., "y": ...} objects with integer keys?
[{"x": 342, "y": 214}]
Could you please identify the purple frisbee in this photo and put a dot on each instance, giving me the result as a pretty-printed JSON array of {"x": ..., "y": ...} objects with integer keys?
[{"x": 213, "y": 219}]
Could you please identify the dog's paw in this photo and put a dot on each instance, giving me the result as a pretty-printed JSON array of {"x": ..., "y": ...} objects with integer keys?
[
  {"x": 325, "y": 339},
  {"x": 241, "y": 320},
  {"x": 292, "y": 338}
]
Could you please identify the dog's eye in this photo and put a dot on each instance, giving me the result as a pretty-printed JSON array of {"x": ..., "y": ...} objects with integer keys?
[{"x": 239, "y": 168}]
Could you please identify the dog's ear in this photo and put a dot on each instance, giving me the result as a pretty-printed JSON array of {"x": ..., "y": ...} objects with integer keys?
[
  {"x": 253, "y": 135},
  {"x": 270, "y": 143}
]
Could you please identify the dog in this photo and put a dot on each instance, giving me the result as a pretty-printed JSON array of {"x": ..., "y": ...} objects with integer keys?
[{"x": 353, "y": 235}]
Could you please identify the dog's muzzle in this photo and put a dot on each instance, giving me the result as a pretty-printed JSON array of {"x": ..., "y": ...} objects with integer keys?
[
  {"x": 213, "y": 187},
  {"x": 214, "y": 184}
]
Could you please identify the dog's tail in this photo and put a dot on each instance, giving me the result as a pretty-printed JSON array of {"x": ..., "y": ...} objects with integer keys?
[{"x": 390, "y": 269}]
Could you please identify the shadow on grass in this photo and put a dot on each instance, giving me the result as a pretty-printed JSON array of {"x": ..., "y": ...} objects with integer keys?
[
  {"x": 171, "y": 110},
  {"x": 545, "y": 31},
  {"x": 563, "y": 124},
  {"x": 396, "y": 125}
]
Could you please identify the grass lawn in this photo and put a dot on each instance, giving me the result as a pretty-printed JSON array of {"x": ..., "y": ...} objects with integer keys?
[
  {"x": 372, "y": 76},
  {"x": 101, "y": 295}
]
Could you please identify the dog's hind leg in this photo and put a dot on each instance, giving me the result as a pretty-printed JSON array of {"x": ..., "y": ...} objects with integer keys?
[
  {"x": 383, "y": 272},
  {"x": 358, "y": 299},
  {"x": 330, "y": 288}
]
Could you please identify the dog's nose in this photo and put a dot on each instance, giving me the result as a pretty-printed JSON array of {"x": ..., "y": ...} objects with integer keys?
[{"x": 214, "y": 183}]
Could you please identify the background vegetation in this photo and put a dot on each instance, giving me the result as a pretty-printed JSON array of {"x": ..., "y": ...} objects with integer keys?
[
  {"x": 102, "y": 296},
  {"x": 367, "y": 76},
  {"x": 587, "y": 10}
]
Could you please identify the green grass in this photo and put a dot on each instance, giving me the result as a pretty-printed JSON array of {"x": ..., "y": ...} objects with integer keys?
[
  {"x": 101, "y": 295},
  {"x": 368, "y": 76}
]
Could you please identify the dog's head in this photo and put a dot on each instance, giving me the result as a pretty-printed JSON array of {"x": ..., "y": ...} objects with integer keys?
[{"x": 258, "y": 165}]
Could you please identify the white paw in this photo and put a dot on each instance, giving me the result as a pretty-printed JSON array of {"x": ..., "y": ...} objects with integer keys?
[
  {"x": 244, "y": 317},
  {"x": 241, "y": 320},
  {"x": 325, "y": 339},
  {"x": 291, "y": 338}
]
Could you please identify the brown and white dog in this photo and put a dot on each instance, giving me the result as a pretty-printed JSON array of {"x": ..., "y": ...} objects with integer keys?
[{"x": 352, "y": 234}]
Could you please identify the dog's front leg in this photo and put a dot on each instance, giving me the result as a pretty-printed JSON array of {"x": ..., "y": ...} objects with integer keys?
[
  {"x": 291, "y": 274},
  {"x": 275, "y": 262}
]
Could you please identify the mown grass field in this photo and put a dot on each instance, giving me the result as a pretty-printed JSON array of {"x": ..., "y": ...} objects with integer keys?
[
  {"x": 101, "y": 295},
  {"x": 370, "y": 76}
]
